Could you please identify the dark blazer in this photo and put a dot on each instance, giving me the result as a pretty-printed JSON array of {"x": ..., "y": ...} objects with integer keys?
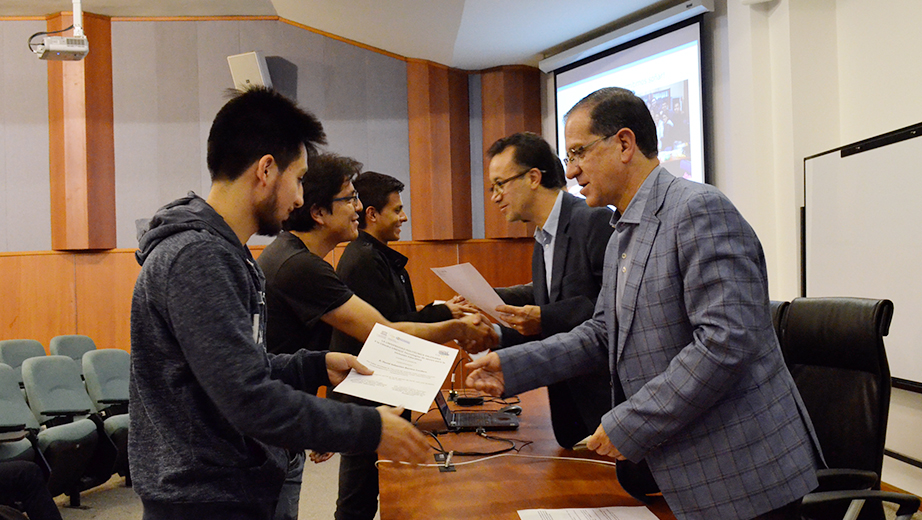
[{"x": 578, "y": 404}]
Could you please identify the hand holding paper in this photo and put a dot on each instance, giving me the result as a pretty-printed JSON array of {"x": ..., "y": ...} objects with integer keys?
[
  {"x": 526, "y": 319},
  {"x": 408, "y": 371},
  {"x": 465, "y": 280},
  {"x": 340, "y": 364},
  {"x": 459, "y": 306}
]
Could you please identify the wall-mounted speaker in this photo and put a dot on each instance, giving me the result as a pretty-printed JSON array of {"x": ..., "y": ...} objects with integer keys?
[{"x": 248, "y": 70}]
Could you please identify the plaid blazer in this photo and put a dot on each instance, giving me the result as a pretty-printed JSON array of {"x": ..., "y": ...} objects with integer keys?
[{"x": 710, "y": 404}]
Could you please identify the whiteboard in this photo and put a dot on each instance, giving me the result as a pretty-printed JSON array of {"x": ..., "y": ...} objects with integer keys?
[{"x": 863, "y": 234}]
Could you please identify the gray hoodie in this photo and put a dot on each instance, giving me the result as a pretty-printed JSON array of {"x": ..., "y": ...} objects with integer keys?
[{"x": 211, "y": 412}]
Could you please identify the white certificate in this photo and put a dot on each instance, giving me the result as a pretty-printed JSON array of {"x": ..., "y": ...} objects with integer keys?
[
  {"x": 408, "y": 370},
  {"x": 604, "y": 513},
  {"x": 467, "y": 281}
]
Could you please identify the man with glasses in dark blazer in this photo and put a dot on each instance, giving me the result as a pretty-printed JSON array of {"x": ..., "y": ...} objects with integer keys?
[{"x": 528, "y": 185}]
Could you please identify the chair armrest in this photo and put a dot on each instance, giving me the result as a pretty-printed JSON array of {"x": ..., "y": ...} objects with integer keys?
[
  {"x": 908, "y": 504},
  {"x": 113, "y": 407},
  {"x": 12, "y": 432},
  {"x": 113, "y": 401},
  {"x": 62, "y": 416},
  {"x": 844, "y": 479},
  {"x": 65, "y": 413}
]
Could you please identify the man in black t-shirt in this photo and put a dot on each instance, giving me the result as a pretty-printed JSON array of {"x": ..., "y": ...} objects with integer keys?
[
  {"x": 306, "y": 300},
  {"x": 301, "y": 287},
  {"x": 378, "y": 275}
]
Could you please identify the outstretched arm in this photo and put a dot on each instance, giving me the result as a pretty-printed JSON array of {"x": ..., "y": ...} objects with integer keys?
[{"x": 356, "y": 318}]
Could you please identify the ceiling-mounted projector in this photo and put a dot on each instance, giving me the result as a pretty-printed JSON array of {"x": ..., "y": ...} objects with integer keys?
[{"x": 69, "y": 48}]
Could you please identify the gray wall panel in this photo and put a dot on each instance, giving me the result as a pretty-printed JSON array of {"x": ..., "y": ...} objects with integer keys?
[
  {"x": 388, "y": 126},
  {"x": 478, "y": 219},
  {"x": 346, "y": 105},
  {"x": 25, "y": 202},
  {"x": 216, "y": 41},
  {"x": 156, "y": 119},
  {"x": 169, "y": 81}
]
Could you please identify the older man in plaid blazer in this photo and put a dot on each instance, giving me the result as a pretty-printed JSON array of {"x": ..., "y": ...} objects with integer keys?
[{"x": 700, "y": 388}]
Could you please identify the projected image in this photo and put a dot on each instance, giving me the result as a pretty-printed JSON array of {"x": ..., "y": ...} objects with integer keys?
[
  {"x": 672, "y": 127},
  {"x": 665, "y": 72}
]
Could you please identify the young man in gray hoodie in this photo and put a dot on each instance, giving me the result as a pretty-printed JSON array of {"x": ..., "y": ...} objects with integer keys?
[{"x": 212, "y": 414}]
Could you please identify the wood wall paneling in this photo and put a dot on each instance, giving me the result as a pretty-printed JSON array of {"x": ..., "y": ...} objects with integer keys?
[
  {"x": 48, "y": 294},
  {"x": 439, "y": 135},
  {"x": 511, "y": 101},
  {"x": 104, "y": 286},
  {"x": 459, "y": 188},
  {"x": 502, "y": 262},
  {"x": 81, "y": 142},
  {"x": 423, "y": 257},
  {"x": 38, "y": 297}
]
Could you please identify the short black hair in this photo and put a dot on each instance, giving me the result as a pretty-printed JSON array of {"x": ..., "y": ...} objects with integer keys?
[
  {"x": 257, "y": 122},
  {"x": 531, "y": 151},
  {"x": 374, "y": 189},
  {"x": 613, "y": 108},
  {"x": 325, "y": 177}
]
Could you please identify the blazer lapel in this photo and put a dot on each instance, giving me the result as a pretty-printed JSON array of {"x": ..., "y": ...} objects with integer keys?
[
  {"x": 561, "y": 246},
  {"x": 538, "y": 275},
  {"x": 644, "y": 235}
]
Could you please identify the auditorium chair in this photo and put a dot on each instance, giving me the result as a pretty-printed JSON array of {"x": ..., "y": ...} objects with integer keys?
[
  {"x": 73, "y": 346},
  {"x": 14, "y": 351},
  {"x": 64, "y": 451},
  {"x": 57, "y": 396},
  {"x": 106, "y": 374}
]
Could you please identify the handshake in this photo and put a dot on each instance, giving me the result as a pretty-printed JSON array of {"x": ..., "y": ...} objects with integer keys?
[{"x": 526, "y": 320}]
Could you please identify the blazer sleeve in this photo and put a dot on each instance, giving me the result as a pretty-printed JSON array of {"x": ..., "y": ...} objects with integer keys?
[
  {"x": 517, "y": 295},
  {"x": 563, "y": 356}
]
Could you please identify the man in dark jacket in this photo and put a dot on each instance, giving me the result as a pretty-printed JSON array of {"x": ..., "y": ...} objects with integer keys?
[
  {"x": 377, "y": 274},
  {"x": 212, "y": 413},
  {"x": 566, "y": 270}
]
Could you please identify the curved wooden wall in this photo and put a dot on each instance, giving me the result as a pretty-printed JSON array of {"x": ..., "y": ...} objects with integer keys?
[{"x": 46, "y": 294}]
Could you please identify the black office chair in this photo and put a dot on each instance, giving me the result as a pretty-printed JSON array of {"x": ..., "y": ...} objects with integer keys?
[
  {"x": 779, "y": 307},
  {"x": 835, "y": 351}
]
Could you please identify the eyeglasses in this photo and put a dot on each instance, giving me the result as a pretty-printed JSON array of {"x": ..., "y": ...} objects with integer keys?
[
  {"x": 351, "y": 199},
  {"x": 575, "y": 154},
  {"x": 497, "y": 187}
]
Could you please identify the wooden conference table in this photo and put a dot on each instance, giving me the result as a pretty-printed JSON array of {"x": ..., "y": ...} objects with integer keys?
[{"x": 499, "y": 487}]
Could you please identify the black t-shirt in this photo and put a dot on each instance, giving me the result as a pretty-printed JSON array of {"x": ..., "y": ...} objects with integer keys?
[
  {"x": 300, "y": 288},
  {"x": 378, "y": 276}
]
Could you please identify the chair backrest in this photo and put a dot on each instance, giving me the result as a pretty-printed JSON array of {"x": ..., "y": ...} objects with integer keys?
[
  {"x": 13, "y": 407},
  {"x": 73, "y": 346},
  {"x": 14, "y": 351},
  {"x": 53, "y": 383},
  {"x": 834, "y": 349},
  {"x": 106, "y": 373},
  {"x": 779, "y": 307}
]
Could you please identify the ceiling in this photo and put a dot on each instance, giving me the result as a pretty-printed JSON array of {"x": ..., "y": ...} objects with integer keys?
[{"x": 465, "y": 34}]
